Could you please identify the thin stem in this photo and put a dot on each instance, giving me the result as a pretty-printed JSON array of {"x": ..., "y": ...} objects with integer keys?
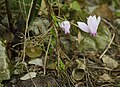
[
  {"x": 25, "y": 38},
  {"x": 108, "y": 46},
  {"x": 29, "y": 74},
  {"x": 26, "y": 29},
  {"x": 46, "y": 56}
]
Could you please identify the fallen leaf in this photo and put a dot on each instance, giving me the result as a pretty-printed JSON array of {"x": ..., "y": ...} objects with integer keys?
[
  {"x": 28, "y": 76},
  {"x": 81, "y": 65},
  {"x": 37, "y": 62},
  {"x": 33, "y": 51},
  {"x": 109, "y": 62},
  {"x": 106, "y": 77}
]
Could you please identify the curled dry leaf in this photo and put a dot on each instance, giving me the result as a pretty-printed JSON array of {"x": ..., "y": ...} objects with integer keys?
[
  {"x": 78, "y": 74},
  {"x": 110, "y": 63}
]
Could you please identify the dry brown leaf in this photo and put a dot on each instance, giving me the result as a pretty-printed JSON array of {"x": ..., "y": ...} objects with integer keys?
[
  {"x": 8, "y": 36},
  {"x": 106, "y": 77},
  {"x": 104, "y": 11},
  {"x": 109, "y": 62}
]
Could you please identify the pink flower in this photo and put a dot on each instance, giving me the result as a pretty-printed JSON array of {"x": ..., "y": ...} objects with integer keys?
[
  {"x": 91, "y": 26},
  {"x": 65, "y": 25}
]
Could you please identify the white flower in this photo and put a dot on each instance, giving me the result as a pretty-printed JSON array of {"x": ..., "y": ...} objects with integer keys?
[
  {"x": 91, "y": 26},
  {"x": 65, "y": 25}
]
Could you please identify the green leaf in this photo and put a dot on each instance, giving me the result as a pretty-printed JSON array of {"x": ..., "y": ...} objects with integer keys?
[
  {"x": 75, "y": 6},
  {"x": 117, "y": 13},
  {"x": 33, "y": 51},
  {"x": 61, "y": 65},
  {"x": 54, "y": 19}
]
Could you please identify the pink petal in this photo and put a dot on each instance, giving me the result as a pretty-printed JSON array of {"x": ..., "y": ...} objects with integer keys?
[
  {"x": 94, "y": 21},
  {"x": 92, "y": 24},
  {"x": 98, "y": 20},
  {"x": 65, "y": 25},
  {"x": 83, "y": 27},
  {"x": 67, "y": 31}
]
